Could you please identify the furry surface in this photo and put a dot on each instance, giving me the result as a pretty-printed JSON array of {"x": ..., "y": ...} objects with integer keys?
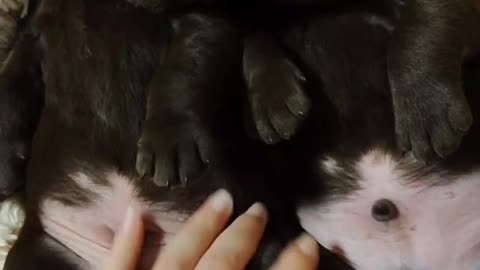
[{"x": 11, "y": 212}]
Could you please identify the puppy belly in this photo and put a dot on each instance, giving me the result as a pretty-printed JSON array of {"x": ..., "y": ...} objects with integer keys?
[
  {"x": 437, "y": 226},
  {"x": 88, "y": 231}
]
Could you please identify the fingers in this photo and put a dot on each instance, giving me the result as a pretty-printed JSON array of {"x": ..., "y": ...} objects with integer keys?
[
  {"x": 199, "y": 232},
  {"x": 235, "y": 247},
  {"x": 198, "y": 247},
  {"x": 127, "y": 244},
  {"x": 303, "y": 254}
]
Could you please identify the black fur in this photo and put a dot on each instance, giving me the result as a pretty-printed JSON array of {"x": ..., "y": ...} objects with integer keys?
[
  {"x": 359, "y": 112},
  {"x": 115, "y": 74},
  {"x": 22, "y": 100},
  {"x": 425, "y": 57},
  {"x": 95, "y": 106}
]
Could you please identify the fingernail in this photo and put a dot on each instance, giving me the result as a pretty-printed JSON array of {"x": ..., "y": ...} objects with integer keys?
[
  {"x": 307, "y": 245},
  {"x": 221, "y": 201},
  {"x": 257, "y": 210},
  {"x": 129, "y": 219}
]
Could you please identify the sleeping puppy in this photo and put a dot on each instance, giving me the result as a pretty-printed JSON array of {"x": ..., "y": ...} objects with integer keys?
[
  {"x": 426, "y": 52},
  {"x": 365, "y": 200},
  {"x": 169, "y": 158},
  {"x": 105, "y": 65},
  {"x": 21, "y": 100}
]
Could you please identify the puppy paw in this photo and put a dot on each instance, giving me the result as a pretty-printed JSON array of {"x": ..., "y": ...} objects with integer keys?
[
  {"x": 431, "y": 124},
  {"x": 173, "y": 153},
  {"x": 278, "y": 102}
]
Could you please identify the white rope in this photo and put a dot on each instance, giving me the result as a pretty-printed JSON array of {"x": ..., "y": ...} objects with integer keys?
[
  {"x": 14, "y": 6},
  {"x": 12, "y": 216}
]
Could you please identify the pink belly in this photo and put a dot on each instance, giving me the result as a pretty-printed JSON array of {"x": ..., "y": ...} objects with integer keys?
[
  {"x": 438, "y": 226},
  {"x": 88, "y": 231}
]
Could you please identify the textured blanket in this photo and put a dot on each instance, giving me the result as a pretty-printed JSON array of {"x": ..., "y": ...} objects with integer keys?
[{"x": 11, "y": 220}]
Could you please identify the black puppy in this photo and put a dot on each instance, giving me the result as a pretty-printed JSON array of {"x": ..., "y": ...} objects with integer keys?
[
  {"x": 180, "y": 154},
  {"x": 21, "y": 101},
  {"x": 106, "y": 67},
  {"x": 365, "y": 200},
  {"x": 182, "y": 68},
  {"x": 426, "y": 53}
]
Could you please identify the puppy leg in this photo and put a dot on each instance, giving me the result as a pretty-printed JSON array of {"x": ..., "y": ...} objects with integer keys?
[
  {"x": 278, "y": 103},
  {"x": 34, "y": 250},
  {"x": 425, "y": 60},
  {"x": 21, "y": 96},
  {"x": 183, "y": 98}
]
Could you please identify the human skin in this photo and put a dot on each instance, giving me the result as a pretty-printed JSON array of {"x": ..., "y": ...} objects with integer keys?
[{"x": 205, "y": 243}]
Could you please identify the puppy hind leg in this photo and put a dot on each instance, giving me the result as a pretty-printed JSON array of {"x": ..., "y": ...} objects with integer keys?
[{"x": 34, "y": 250}]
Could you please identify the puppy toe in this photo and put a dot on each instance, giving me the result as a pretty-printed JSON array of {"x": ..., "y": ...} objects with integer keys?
[
  {"x": 265, "y": 130},
  {"x": 460, "y": 116},
  {"x": 403, "y": 136},
  {"x": 298, "y": 103},
  {"x": 422, "y": 150},
  {"x": 445, "y": 140},
  {"x": 284, "y": 122},
  {"x": 164, "y": 175},
  {"x": 189, "y": 163},
  {"x": 145, "y": 161}
]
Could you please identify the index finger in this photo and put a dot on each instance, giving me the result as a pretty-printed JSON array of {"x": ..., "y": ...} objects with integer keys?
[
  {"x": 128, "y": 242},
  {"x": 302, "y": 254},
  {"x": 199, "y": 232}
]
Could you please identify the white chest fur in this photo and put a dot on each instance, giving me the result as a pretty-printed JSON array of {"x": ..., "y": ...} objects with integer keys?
[
  {"x": 438, "y": 226},
  {"x": 88, "y": 231}
]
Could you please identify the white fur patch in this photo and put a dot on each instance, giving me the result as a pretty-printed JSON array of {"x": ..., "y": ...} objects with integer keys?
[
  {"x": 88, "y": 231},
  {"x": 331, "y": 166},
  {"x": 438, "y": 226}
]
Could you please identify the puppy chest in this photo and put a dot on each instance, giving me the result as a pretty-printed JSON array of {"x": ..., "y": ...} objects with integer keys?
[
  {"x": 399, "y": 219},
  {"x": 88, "y": 230}
]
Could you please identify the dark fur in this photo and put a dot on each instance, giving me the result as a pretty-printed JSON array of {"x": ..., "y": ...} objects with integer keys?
[
  {"x": 352, "y": 108},
  {"x": 73, "y": 135},
  {"x": 425, "y": 57},
  {"x": 97, "y": 66},
  {"x": 359, "y": 114},
  {"x": 22, "y": 99}
]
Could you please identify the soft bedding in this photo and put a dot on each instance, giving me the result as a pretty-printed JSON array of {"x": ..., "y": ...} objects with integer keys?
[{"x": 11, "y": 219}]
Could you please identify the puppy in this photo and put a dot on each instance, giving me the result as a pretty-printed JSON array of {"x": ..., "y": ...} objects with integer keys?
[
  {"x": 21, "y": 100},
  {"x": 115, "y": 75},
  {"x": 365, "y": 200},
  {"x": 426, "y": 53}
]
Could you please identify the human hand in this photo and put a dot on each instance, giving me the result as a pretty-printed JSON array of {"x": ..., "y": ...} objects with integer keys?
[{"x": 204, "y": 244}]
